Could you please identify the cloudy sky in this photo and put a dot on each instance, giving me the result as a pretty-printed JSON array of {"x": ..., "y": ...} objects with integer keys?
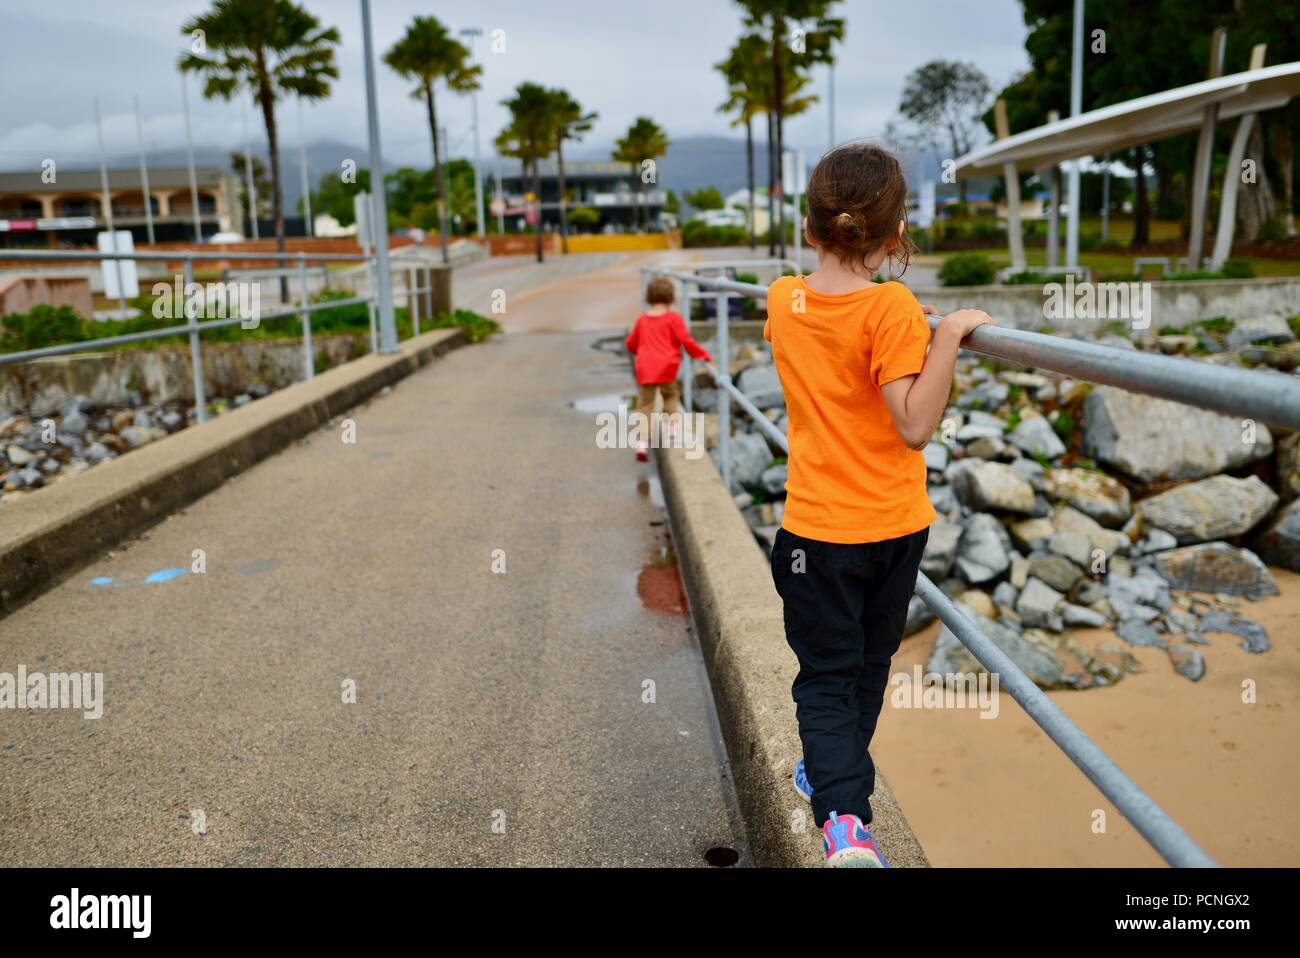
[{"x": 621, "y": 58}]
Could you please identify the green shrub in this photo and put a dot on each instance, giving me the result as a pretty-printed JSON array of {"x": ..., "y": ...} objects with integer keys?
[
  {"x": 477, "y": 327},
  {"x": 698, "y": 233},
  {"x": 967, "y": 269},
  {"x": 1238, "y": 268},
  {"x": 43, "y": 326}
]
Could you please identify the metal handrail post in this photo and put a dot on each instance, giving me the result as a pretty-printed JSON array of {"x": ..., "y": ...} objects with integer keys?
[
  {"x": 196, "y": 355},
  {"x": 415, "y": 300},
  {"x": 370, "y": 304},
  {"x": 724, "y": 396},
  {"x": 688, "y": 364},
  {"x": 308, "y": 355}
]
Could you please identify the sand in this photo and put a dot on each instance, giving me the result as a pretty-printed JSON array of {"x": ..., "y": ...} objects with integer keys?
[{"x": 999, "y": 792}]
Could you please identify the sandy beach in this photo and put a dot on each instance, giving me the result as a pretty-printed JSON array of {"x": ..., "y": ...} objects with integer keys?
[{"x": 999, "y": 792}]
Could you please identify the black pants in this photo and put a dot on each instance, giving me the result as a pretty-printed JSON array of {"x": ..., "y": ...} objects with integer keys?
[{"x": 845, "y": 609}]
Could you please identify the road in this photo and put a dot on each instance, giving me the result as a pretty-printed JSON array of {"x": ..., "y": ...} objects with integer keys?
[{"x": 554, "y": 713}]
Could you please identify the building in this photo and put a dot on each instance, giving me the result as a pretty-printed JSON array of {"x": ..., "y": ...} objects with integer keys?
[
  {"x": 69, "y": 211},
  {"x": 606, "y": 187}
]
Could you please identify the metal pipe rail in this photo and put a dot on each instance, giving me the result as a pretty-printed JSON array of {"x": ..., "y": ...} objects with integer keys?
[
  {"x": 1152, "y": 822},
  {"x": 194, "y": 326}
]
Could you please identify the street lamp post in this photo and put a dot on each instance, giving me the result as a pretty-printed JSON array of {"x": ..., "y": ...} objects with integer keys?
[
  {"x": 387, "y": 322},
  {"x": 1076, "y": 107}
]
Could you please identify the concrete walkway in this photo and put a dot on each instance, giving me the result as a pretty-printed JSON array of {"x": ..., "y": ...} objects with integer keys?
[{"x": 500, "y": 718}]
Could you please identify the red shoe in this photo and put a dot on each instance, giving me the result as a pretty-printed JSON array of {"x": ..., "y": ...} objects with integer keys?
[{"x": 642, "y": 452}]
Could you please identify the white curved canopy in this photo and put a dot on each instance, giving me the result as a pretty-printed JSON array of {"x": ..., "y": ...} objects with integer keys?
[{"x": 1144, "y": 120}]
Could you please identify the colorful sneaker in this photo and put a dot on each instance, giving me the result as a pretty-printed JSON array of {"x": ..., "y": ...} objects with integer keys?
[
  {"x": 801, "y": 783},
  {"x": 642, "y": 452},
  {"x": 849, "y": 844}
]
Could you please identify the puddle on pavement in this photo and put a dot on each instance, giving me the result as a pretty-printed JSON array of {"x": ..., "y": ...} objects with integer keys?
[
  {"x": 659, "y": 585},
  {"x": 652, "y": 487}
]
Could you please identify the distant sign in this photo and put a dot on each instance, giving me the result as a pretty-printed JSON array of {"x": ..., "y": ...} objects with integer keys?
[
  {"x": 925, "y": 206},
  {"x": 793, "y": 172},
  {"x": 361, "y": 210},
  {"x": 118, "y": 241}
]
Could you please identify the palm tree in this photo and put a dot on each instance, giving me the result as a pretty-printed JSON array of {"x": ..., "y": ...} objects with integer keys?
[
  {"x": 272, "y": 48},
  {"x": 817, "y": 32},
  {"x": 529, "y": 136},
  {"x": 426, "y": 54},
  {"x": 745, "y": 71},
  {"x": 570, "y": 124},
  {"x": 644, "y": 140}
]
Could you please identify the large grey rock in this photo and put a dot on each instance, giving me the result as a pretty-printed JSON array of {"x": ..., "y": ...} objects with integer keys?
[
  {"x": 1220, "y": 507},
  {"x": 1279, "y": 543},
  {"x": 1032, "y": 535},
  {"x": 1038, "y": 603},
  {"x": 1078, "y": 615},
  {"x": 1057, "y": 571},
  {"x": 1031, "y": 472},
  {"x": 981, "y": 552},
  {"x": 1216, "y": 567},
  {"x": 1095, "y": 494},
  {"x": 988, "y": 395},
  {"x": 1153, "y": 440},
  {"x": 749, "y": 456},
  {"x": 1271, "y": 329},
  {"x": 994, "y": 485},
  {"x": 1255, "y": 639},
  {"x": 1137, "y": 632},
  {"x": 1067, "y": 520},
  {"x": 936, "y": 456},
  {"x": 949, "y": 657},
  {"x": 1141, "y": 597},
  {"x": 1036, "y": 437},
  {"x": 1188, "y": 662},
  {"x": 761, "y": 386},
  {"x": 942, "y": 498},
  {"x": 941, "y": 548}
]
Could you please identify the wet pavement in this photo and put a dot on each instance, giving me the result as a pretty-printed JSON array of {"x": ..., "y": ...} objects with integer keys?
[{"x": 458, "y": 640}]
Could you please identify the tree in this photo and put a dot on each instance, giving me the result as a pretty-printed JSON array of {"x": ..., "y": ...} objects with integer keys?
[
  {"x": 800, "y": 33},
  {"x": 529, "y": 136},
  {"x": 272, "y": 48},
  {"x": 944, "y": 100},
  {"x": 335, "y": 197},
  {"x": 645, "y": 141},
  {"x": 428, "y": 53},
  {"x": 261, "y": 182},
  {"x": 747, "y": 73},
  {"x": 709, "y": 198},
  {"x": 570, "y": 124}
]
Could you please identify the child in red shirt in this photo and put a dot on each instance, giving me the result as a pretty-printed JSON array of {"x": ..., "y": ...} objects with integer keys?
[{"x": 657, "y": 340}]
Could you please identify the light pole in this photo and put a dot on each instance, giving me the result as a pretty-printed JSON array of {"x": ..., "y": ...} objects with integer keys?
[
  {"x": 144, "y": 174},
  {"x": 471, "y": 33},
  {"x": 1076, "y": 107},
  {"x": 189, "y": 159},
  {"x": 379, "y": 198},
  {"x": 306, "y": 179}
]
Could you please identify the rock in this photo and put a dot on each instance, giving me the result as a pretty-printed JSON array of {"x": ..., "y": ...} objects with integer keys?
[
  {"x": 971, "y": 432},
  {"x": 1078, "y": 615},
  {"x": 1176, "y": 345},
  {"x": 1270, "y": 329},
  {"x": 1153, "y": 440},
  {"x": 25, "y": 478},
  {"x": 979, "y": 600},
  {"x": 71, "y": 420},
  {"x": 1067, "y": 519},
  {"x": 97, "y": 452},
  {"x": 949, "y": 657},
  {"x": 171, "y": 420},
  {"x": 1155, "y": 540},
  {"x": 1031, "y": 472},
  {"x": 1137, "y": 632},
  {"x": 991, "y": 448},
  {"x": 743, "y": 500},
  {"x": 1058, "y": 572},
  {"x": 1019, "y": 574},
  {"x": 919, "y": 616},
  {"x": 1142, "y": 597},
  {"x": 1188, "y": 662},
  {"x": 772, "y": 481},
  {"x": 1256, "y": 639},
  {"x": 1093, "y": 493},
  {"x": 122, "y": 419},
  {"x": 1283, "y": 360},
  {"x": 705, "y": 399},
  {"x": 1074, "y": 546},
  {"x": 243, "y": 399},
  {"x": 988, "y": 395},
  {"x": 1216, "y": 567},
  {"x": 1032, "y": 535},
  {"x": 941, "y": 548},
  {"x": 1006, "y": 594},
  {"x": 749, "y": 456},
  {"x": 1216, "y": 508},
  {"x": 993, "y": 485},
  {"x": 1288, "y": 467},
  {"x": 137, "y": 436},
  {"x": 936, "y": 456},
  {"x": 1035, "y": 437},
  {"x": 942, "y": 498},
  {"x": 761, "y": 386},
  {"x": 981, "y": 553},
  {"x": 1279, "y": 543},
  {"x": 1037, "y": 604},
  {"x": 18, "y": 456},
  {"x": 1024, "y": 380},
  {"x": 143, "y": 418},
  {"x": 766, "y": 536}
]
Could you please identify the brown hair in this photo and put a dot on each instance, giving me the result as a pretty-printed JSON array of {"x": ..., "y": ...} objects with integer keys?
[
  {"x": 856, "y": 197},
  {"x": 660, "y": 290}
]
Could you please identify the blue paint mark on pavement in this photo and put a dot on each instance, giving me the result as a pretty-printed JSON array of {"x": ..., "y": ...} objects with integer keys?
[{"x": 165, "y": 575}]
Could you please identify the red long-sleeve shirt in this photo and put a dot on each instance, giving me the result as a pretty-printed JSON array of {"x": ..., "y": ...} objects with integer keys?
[{"x": 657, "y": 343}]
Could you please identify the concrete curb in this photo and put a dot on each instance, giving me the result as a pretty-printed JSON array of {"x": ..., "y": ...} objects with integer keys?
[
  {"x": 53, "y": 531},
  {"x": 738, "y": 618}
]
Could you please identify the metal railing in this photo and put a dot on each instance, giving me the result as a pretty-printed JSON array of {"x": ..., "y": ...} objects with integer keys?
[
  {"x": 193, "y": 326},
  {"x": 1271, "y": 397}
]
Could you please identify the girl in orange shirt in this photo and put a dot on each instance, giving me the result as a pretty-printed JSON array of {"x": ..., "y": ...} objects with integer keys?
[{"x": 863, "y": 396}]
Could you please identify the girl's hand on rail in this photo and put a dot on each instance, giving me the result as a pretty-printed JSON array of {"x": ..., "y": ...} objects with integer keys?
[{"x": 963, "y": 321}]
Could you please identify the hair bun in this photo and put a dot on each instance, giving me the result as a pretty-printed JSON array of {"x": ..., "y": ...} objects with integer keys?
[{"x": 849, "y": 227}]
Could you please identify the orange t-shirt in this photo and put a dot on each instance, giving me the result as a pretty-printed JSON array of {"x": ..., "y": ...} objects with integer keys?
[{"x": 851, "y": 477}]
